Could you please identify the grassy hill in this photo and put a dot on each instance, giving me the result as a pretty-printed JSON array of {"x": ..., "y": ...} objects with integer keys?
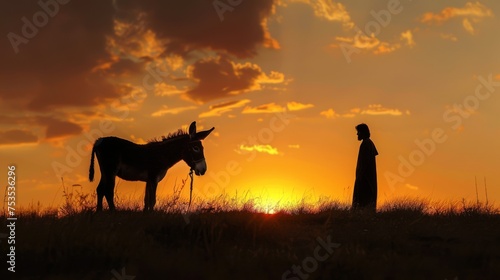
[{"x": 404, "y": 240}]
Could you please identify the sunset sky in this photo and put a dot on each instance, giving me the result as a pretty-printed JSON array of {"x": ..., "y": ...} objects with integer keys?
[{"x": 284, "y": 83}]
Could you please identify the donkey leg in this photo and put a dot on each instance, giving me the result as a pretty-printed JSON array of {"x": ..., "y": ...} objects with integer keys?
[
  {"x": 146, "y": 197},
  {"x": 100, "y": 193},
  {"x": 110, "y": 192},
  {"x": 152, "y": 195}
]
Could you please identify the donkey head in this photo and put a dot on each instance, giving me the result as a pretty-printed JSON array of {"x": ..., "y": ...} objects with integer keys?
[{"x": 193, "y": 154}]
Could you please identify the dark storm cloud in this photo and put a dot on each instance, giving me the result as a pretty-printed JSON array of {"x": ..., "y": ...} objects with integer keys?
[
  {"x": 56, "y": 53},
  {"x": 59, "y": 128},
  {"x": 218, "y": 78},
  {"x": 53, "y": 64},
  {"x": 224, "y": 105},
  {"x": 17, "y": 136},
  {"x": 54, "y": 127},
  {"x": 195, "y": 24}
]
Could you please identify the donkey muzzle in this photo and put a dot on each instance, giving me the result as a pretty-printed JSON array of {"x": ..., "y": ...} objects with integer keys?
[{"x": 200, "y": 167}]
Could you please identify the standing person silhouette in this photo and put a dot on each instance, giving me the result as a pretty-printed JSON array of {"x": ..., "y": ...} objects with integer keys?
[{"x": 365, "y": 186}]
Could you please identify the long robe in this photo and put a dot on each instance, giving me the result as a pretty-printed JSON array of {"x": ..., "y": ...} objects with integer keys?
[{"x": 365, "y": 186}]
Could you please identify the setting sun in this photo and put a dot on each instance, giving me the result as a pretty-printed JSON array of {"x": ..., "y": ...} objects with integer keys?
[{"x": 270, "y": 212}]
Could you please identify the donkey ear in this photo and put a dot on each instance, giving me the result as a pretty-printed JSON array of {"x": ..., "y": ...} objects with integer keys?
[
  {"x": 192, "y": 129},
  {"x": 203, "y": 134}
]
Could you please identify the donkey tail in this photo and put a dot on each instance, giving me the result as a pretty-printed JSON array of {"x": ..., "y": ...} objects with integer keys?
[{"x": 91, "y": 169}]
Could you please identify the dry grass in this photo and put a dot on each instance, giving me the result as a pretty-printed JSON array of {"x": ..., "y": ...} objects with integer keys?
[{"x": 227, "y": 239}]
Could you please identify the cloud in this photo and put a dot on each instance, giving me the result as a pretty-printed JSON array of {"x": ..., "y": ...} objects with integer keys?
[
  {"x": 268, "y": 149},
  {"x": 54, "y": 127},
  {"x": 297, "y": 106},
  {"x": 329, "y": 10},
  {"x": 95, "y": 52},
  {"x": 163, "y": 89},
  {"x": 377, "y": 109},
  {"x": 360, "y": 41},
  {"x": 294, "y": 146},
  {"x": 471, "y": 12},
  {"x": 468, "y": 26},
  {"x": 173, "y": 111},
  {"x": 273, "y": 78},
  {"x": 186, "y": 26},
  {"x": 53, "y": 67},
  {"x": 58, "y": 129},
  {"x": 17, "y": 136},
  {"x": 276, "y": 108},
  {"x": 352, "y": 113},
  {"x": 134, "y": 39},
  {"x": 449, "y": 36},
  {"x": 385, "y": 47},
  {"x": 373, "y": 109},
  {"x": 264, "y": 108},
  {"x": 86, "y": 117},
  {"x": 132, "y": 97},
  {"x": 407, "y": 36},
  {"x": 220, "y": 77},
  {"x": 222, "y": 108},
  {"x": 329, "y": 114},
  {"x": 371, "y": 44}
]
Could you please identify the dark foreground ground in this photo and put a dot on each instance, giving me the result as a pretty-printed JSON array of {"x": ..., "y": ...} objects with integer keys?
[{"x": 331, "y": 244}]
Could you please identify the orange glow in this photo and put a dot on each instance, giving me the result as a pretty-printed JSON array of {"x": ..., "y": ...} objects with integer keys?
[{"x": 284, "y": 85}]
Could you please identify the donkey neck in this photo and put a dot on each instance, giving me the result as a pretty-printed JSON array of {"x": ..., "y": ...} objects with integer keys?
[{"x": 169, "y": 150}]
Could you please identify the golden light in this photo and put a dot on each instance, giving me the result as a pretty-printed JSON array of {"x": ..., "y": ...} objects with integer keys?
[
  {"x": 270, "y": 195},
  {"x": 267, "y": 208}
]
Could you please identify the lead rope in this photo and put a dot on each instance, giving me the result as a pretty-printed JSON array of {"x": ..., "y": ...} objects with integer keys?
[{"x": 191, "y": 188}]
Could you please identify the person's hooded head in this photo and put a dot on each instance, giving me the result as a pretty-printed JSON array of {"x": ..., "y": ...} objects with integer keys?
[{"x": 363, "y": 131}]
